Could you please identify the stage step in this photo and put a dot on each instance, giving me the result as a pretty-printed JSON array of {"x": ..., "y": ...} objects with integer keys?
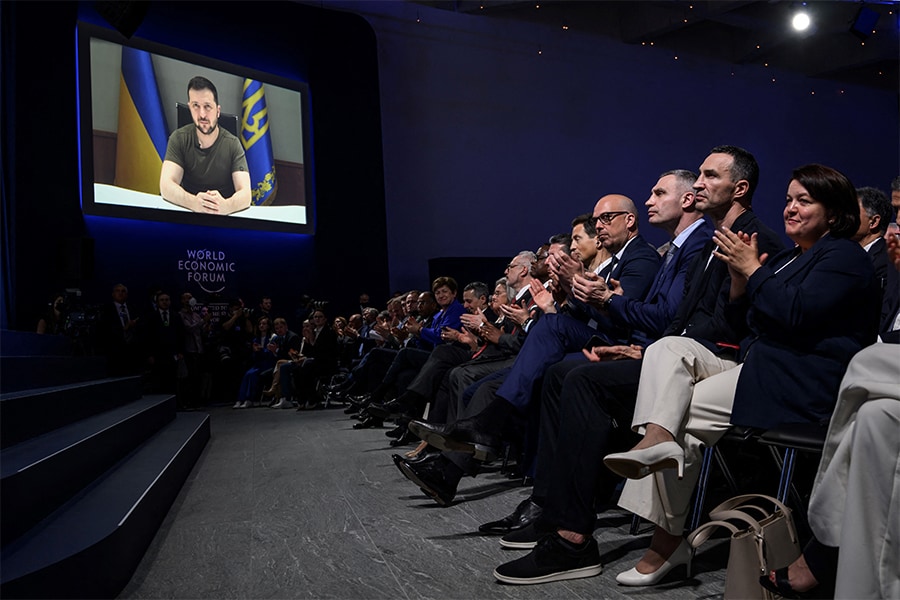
[
  {"x": 29, "y": 413},
  {"x": 26, "y": 372},
  {"x": 42, "y": 473},
  {"x": 90, "y": 546}
]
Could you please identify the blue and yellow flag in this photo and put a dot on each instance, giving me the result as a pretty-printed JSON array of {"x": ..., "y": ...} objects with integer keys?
[
  {"x": 258, "y": 143},
  {"x": 142, "y": 134}
]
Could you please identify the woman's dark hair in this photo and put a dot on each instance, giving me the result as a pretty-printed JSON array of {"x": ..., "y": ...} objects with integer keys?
[
  {"x": 444, "y": 281},
  {"x": 834, "y": 191}
]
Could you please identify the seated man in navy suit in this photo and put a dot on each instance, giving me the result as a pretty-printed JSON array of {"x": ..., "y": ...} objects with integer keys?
[{"x": 633, "y": 265}]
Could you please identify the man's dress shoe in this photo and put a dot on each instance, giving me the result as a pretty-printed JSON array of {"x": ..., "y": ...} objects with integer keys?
[
  {"x": 388, "y": 409},
  {"x": 423, "y": 457},
  {"x": 397, "y": 432},
  {"x": 404, "y": 440},
  {"x": 368, "y": 423},
  {"x": 462, "y": 436},
  {"x": 524, "y": 514},
  {"x": 430, "y": 478}
]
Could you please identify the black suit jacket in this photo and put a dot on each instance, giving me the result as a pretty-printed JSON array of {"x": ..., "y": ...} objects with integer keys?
[
  {"x": 326, "y": 349},
  {"x": 701, "y": 314},
  {"x": 887, "y": 280},
  {"x": 162, "y": 342},
  {"x": 635, "y": 272}
]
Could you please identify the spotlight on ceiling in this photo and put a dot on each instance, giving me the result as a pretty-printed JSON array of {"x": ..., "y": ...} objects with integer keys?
[{"x": 800, "y": 22}]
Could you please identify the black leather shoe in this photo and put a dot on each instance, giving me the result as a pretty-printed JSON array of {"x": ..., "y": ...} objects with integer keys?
[
  {"x": 404, "y": 440},
  {"x": 388, "y": 409},
  {"x": 397, "y": 432},
  {"x": 461, "y": 436},
  {"x": 526, "y": 513},
  {"x": 430, "y": 478},
  {"x": 360, "y": 400},
  {"x": 368, "y": 423},
  {"x": 423, "y": 457}
]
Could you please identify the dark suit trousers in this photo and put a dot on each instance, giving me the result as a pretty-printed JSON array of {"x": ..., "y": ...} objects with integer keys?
[
  {"x": 551, "y": 338},
  {"x": 438, "y": 364},
  {"x": 586, "y": 413},
  {"x": 371, "y": 369}
]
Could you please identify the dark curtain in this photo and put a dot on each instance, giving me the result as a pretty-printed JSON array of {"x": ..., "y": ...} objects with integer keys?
[{"x": 7, "y": 124}]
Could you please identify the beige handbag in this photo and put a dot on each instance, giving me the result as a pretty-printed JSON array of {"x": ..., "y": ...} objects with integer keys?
[{"x": 761, "y": 540}]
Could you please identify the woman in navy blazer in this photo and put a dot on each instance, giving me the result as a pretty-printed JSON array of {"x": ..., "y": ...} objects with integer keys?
[{"x": 806, "y": 312}]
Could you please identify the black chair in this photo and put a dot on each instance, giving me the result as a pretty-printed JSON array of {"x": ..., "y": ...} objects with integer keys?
[
  {"x": 792, "y": 439},
  {"x": 229, "y": 122}
]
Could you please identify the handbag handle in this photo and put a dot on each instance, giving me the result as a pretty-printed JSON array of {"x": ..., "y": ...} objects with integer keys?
[
  {"x": 698, "y": 536},
  {"x": 737, "y": 501},
  {"x": 742, "y": 503}
]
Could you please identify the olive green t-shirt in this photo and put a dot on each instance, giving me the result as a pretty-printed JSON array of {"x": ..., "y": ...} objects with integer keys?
[{"x": 206, "y": 168}]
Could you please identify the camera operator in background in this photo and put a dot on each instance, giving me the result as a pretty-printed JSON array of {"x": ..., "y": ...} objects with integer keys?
[
  {"x": 231, "y": 350},
  {"x": 196, "y": 328},
  {"x": 53, "y": 321}
]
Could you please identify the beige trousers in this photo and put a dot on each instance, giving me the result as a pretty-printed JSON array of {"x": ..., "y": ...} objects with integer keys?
[
  {"x": 855, "y": 503},
  {"x": 689, "y": 391}
]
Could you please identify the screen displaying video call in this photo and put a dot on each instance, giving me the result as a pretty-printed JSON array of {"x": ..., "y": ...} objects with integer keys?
[{"x": 133, "y": 95}]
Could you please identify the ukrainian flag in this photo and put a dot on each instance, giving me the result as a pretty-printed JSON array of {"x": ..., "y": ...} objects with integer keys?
[
  {"x": 142, "y": 135},
  {"x": 258, "y": 143}
]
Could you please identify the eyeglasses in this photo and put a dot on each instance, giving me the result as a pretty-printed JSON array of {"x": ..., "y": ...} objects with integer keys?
[
  {"x": 511, "y": 266},
  {"x": 607, "y": 217}
]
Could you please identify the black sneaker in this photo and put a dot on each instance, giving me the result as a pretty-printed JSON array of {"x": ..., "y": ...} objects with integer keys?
[
  {"x": 528, "y": 536},
  {"x": 553, "y": 559}
]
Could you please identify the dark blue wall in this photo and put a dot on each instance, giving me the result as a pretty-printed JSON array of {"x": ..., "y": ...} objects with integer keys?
[{"x": 333, "y": 52}]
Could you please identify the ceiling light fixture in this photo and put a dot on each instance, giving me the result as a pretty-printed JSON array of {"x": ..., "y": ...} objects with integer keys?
[{"x": 801, "y": 21}]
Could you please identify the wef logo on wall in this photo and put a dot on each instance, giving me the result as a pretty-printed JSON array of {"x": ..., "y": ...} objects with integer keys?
[{"x": 207, "y": 268}]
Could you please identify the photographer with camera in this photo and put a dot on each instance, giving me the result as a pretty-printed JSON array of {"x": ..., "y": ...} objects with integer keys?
[
  {"x": 53, "y": 321},
  {"x": 231, "y": 353}
]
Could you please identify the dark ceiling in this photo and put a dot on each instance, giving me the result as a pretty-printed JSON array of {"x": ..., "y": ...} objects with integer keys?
[{"x": 739, "y": 32}]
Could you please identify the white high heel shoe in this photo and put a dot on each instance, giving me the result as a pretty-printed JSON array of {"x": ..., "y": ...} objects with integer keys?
[
  {"x": 683, "y": 555},
  {"x": 637, "y": 464}
]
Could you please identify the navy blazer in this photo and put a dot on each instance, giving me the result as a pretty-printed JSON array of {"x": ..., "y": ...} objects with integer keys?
[
  {"x": 701, "y": 314},
  {"x": 635, "y": 272},
  {"x": 808, "y": 315},
  {"x": 649, "y": 318}
]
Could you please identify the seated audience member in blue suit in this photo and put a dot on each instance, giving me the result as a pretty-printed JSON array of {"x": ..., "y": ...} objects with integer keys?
[
  {"x": 806, "y": 311},
  {"x": 633, "y": 266}
]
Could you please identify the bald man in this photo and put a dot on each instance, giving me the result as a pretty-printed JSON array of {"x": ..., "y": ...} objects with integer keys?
[{"x": 563, "y": 329}]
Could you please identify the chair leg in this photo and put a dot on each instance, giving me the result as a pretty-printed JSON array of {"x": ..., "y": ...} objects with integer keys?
[
  {"x": 702, "y": 484},
  {"x": 730, "y": 481},
  {"x": 635, "y": 525},
  {"x": 787, "y": 471}
]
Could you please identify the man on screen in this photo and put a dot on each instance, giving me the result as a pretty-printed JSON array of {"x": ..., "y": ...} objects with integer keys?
[{"x": 205, "y": 169}]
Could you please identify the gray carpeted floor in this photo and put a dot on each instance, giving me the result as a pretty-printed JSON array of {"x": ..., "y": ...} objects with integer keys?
[{"x": 287, "y": 504}]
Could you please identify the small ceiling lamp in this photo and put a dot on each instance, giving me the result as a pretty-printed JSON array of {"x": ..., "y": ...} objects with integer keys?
[{"x": 801, "y": 21}]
